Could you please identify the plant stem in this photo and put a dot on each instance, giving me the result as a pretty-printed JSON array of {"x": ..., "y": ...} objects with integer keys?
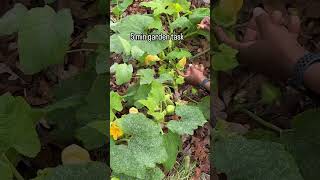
[
  {"x": 80, "y": 50},
  {"x": 200, "y": 54},
  {"x": 15, "y": 172},
  {"x": 190, "y": 34},
  {"x": 261, "y": 121}
]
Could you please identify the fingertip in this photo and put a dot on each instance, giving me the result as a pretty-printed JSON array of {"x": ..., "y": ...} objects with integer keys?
[
  {"x": 277, "y": 17},
  {"x": 259, "y": 11}
]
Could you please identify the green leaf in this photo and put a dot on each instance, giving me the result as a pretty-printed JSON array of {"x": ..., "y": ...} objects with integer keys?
[
  {"x": 173, "y": 144},
  {"x": 225, "y": 14},
  {"x": 5, "y": 170},
  {"x": 100, "y": 126},
  {"x": 204, "y": 106},
  {"x": 156, "y": 24},
  {"x": 49, "y": 1},
  {"x": 70, "y": 101},
  {"x": 97, "y": 35},
  {"x": 136, "y": 52},
  {"x": 135, "y": 93},
  {"x": 191, "y": 118},
  {"x": 92, "y": 170},
  {"x": 17, "y": 126},
  {"x": 121, "y": 7},
  {"x": 97, "y": 102},
  {"x": 266, "y": 160},
  {"x": 101, "y": 60},
  {"x": 123, "y": 73},
  {"x": 155, "y": 97},
  {"x": 90, "y": 137},
  {"x": 181, "y": 22},
  {"x": 9, "y": 23},
  {"x": 159, "y": 7},
  {"x": 178, "y": 54},
  {"x": 47, "y": 33},
  {"x": 144, "y": 150},
  {"x": 102, "y": 5},
  {"x": 64, "y": 123},
  {"x": 126, "y": 45},
  {"x": 146, "y": 76},
  {"x": 77, "y": 85},
  {"x": 137, "y": 24},
  {"x": 198, "y": 14},
  {"x": 225, "y": 59},
  {"x": 116, "y": 104},
  {"x": 304, "y": 143},
  {"x": 180, "y": 80},
  {"x": 262, "y": 134},
  {"x": 93, "y": 135},
  {"x": 269, "y": 93},
  {"x": 166, "y": 77}
]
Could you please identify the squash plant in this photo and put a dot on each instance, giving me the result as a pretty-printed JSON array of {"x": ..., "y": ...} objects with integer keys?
[{"x": 144, "y": 128}]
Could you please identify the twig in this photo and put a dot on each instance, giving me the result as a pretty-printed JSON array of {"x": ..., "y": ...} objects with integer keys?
[
  {"x": 80, "y": 50},
  {"x": 200, "y": 54},
  {"x": 261, "y": 121}
]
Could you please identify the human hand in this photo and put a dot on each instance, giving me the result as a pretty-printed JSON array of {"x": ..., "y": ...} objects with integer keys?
[
  {"x": 205, "y": 23},
  {"x": 194, "y": 74},
  {"x": 270, "y": 43}
]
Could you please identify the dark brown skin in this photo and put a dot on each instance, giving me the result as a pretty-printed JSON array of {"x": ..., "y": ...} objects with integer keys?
[{"x": 270, "y": 46}]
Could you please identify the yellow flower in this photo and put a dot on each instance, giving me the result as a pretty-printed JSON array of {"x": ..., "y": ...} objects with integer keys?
[
  {"x": 150, "y": 58},
  {"x": 115, "y": 131},
  {"x": 182, "y": 62},
  {"x": 133, "y": 110}
]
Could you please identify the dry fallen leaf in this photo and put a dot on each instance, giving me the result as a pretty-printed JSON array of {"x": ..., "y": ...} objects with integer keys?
[{"x": 75, "y": 154}]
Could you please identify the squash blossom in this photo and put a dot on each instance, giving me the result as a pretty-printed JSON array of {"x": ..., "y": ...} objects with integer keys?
[
  {"x": 182, "y": 62},
  {"x": 133, "y": 110},
  {"x": 115, "y": 131},
  {"x": 150, "y": 58}
]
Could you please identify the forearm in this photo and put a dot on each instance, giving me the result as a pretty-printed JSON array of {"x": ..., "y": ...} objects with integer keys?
[{"x": 312, "y": 78}]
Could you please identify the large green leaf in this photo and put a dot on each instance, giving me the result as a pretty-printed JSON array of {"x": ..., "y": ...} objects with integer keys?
[
  {"x": 123, "y": 73},
  {"x": 225, "y": 59},
  {"x": 9, "y": 23},
  {"x": 151, "y": 174},
  {"x": 246, "y": 159},
  {"x": 93, "y": 135},
  {"x": 92, "y": 170},
  {"x": 5, "y": 169},
  {"x": 121, "y": 7},
  {"x": 304, "y": 143},
  {"x": 101, "y": 60},
  {"x": 181, "y": 22},
  {"x": 173, "y": 144},
  {"x": 198, "y": 14},
  {"x": 75, "y": 86},
  {"x": 225, "y": 14},
  {"x": 17, "y": 126},
  {"x": 191, "y": 119},
  {"x": 97, "y": 102},
  {"x": 98, "y": 35},
  {"x": 204, "y": 106},
  {"x": 48, "y": 34},
  {"x": 137, "y": 24},
  {"x": 178, "y": 54},
  {"x": 146, "y": 76},
  {"x": 144, "y": 150}
]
